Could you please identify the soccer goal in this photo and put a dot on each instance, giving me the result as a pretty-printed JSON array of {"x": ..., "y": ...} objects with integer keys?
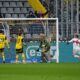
[{"x": 32, "y": 28}]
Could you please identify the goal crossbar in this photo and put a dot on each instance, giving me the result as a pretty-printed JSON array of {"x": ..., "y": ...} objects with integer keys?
[{"x": 28, "y": 19}]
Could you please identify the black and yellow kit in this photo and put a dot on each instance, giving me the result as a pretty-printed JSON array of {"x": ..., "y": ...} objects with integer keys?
[
  {"x": 19, "y": 44},
  {"x": 3, "y": 41},
  {"x": 45, "y": 46},
  {"x": 19, "y": 48}
]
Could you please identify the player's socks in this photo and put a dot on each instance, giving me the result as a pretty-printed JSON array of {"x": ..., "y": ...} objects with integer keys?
[
  {"x": 3, "y": 57},
  {"x": 23, "y": 61},
  {"x": 17, "y": 58},
  {"x": 23, "y": 58},
  {"x": 45, "y": 60}
]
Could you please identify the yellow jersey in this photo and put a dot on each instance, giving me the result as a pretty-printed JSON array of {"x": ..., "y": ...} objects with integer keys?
[
  {"x": 19, "y": 42},
  {"x": 2, "y": 41}
]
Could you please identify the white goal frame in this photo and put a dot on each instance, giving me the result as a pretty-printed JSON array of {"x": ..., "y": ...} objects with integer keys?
[{"x": 57, "y": 29}]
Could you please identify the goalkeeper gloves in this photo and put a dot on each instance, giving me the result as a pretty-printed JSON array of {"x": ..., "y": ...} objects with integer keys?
[{"x": 37, "y": 50}]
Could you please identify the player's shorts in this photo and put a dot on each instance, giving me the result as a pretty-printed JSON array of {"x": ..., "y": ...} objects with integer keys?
[
  {"x": 76, "y": 50},
  {"x": 2, "y": 50},
  {"x": 18, "y": 51}
]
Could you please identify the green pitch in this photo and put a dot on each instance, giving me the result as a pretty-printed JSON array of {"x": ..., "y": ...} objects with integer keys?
[{"x": 65, "y": 71}]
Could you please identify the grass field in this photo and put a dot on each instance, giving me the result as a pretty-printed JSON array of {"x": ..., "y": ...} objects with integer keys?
[{"x": 65, "y": 71}]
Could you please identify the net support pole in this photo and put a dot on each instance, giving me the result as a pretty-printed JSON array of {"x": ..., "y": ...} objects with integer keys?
[{"x": 57, "y": 40}]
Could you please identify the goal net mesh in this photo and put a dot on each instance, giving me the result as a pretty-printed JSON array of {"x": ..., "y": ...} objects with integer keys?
[{"x": 32, "y": 29}]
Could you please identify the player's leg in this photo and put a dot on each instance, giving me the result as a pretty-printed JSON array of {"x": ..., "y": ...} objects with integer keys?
[
  {"x": 3, "y": 55},
  {"x": 17, "y": 55},
  {"x": 23, "y": 56},
  {"x": 75, "y": 53},
  {"x": 78, "y": 53},
  {"x": 44, "y": 57},
  {"x": 48, "y": 56}
]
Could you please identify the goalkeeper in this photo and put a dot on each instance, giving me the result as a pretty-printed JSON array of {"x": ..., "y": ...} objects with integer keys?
[
  {"x": 3, "y": 41},
  {"x": 19, "y": 47},
  {"x": 45, "y": 46}
]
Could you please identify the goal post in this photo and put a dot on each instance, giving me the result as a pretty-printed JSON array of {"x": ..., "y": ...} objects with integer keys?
[{"x": 32, "y": 28}]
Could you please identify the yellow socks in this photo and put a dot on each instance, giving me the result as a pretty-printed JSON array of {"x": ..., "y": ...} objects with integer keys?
[
  {"x": 23, "y": 58},
  {"x": 3, "y": 57},
  {"x": 17, "y": 58}
]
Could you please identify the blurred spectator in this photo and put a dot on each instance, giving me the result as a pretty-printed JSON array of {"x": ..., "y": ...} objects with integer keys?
[
  {"x": 31, "y": 15},
  {"x": 51, "y": 7},
  {"x": 60, "y": 37},
  {"x": 53, "y": 36},
  {"x": 40, "y": 14},
  {"x": 0, "y": 15}
]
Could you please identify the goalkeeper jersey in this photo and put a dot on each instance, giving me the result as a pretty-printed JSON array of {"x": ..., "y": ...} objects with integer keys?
[
  {"x": 19, "y": 42},
  {"x": 45, "y": 45}
]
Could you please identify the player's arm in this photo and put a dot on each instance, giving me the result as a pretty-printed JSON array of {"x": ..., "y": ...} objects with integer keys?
[
  {"x": 70, "y": 41},
  {"x": 6, "y": 41},
  {"x": 24, "y": 43},
  {"x": 40, "y": 46}
]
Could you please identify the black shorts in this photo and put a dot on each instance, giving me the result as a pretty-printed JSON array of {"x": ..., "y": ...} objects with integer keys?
[
  {"x": 18, "y": 51},
  {"x": 2, "y": 50}
]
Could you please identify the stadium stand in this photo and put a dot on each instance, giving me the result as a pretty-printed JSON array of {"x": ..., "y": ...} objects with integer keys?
[
  {"x": 14, "y": 8},
  {"x": 20, "y": 9},
  {"x": 31, "y": 32},
  {"x": 35, "y": 29}
]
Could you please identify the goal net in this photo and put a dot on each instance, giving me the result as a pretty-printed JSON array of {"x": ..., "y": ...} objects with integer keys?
[{"x": 32, "y": 28}]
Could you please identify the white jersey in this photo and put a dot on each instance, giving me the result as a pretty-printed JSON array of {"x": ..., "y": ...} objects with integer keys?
[
  {"x": 79, "y": 43},
  {"x": 75, "y": 43}
]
